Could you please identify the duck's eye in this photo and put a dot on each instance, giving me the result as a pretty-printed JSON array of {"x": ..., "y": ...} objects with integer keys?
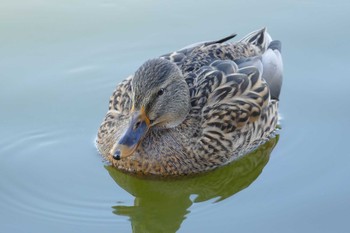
[{"x": 160, "y": 92}]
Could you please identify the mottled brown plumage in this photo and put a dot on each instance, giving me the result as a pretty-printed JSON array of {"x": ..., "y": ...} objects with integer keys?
[{"x": 204, "y": 105}]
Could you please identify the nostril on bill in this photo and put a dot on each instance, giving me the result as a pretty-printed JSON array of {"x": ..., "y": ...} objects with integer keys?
[
  {"x": 116, "y": 156},
  {"x": 137, "y": 125}
]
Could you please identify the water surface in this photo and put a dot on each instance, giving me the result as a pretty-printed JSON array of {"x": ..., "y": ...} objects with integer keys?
[{"x": 59, "y": 63}]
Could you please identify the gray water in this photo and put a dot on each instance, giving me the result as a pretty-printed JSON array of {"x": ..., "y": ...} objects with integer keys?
[{"x": 59, "y": 63}]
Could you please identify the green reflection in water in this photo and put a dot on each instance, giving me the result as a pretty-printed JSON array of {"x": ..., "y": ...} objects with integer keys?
[{"x": 161, "y": 204}]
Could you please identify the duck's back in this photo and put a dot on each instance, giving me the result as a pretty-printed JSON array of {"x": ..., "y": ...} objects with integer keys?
[{"x": 234, "y": 89}]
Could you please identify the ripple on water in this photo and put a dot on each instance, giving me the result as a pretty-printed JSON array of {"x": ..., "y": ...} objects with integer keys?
[{"x": 44, "y": 180}]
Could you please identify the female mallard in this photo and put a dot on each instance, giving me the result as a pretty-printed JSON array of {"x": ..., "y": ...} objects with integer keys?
[{"x": 194, "y": 109}]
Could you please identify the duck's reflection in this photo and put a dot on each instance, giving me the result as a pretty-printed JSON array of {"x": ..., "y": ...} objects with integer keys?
[{"x": 161, "y": 205}]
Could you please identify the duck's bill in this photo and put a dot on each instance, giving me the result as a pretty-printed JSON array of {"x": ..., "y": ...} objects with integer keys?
[{"x": 133, "y": 136}]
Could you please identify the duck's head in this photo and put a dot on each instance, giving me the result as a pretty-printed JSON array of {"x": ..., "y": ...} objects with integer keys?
[{"x": 160, "y": 99}]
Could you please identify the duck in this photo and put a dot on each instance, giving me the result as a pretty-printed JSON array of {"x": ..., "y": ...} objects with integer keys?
[{"x": 195, "y": 109}]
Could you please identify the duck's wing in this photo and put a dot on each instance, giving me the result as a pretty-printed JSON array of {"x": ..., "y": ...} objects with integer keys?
[
  {"x": 235, "y": 108},
  {"x": 256, "y": 44},
  {"x": 257, "y": 49},
  {"x": 237, "y": 99},
  {"x": 229, "y": 96},
  {"x": 270, "y": 65}
]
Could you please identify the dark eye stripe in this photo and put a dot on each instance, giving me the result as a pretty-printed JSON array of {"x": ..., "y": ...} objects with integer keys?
[{"x": 151, "y": 103}]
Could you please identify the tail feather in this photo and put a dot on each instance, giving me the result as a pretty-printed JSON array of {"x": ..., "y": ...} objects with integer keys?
[
  {"x": 259, "y": 38},
  {"x": 273, "y": 68},
  {"x": 275, "y": 45},
  {"x": 271, "y": 59}
]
